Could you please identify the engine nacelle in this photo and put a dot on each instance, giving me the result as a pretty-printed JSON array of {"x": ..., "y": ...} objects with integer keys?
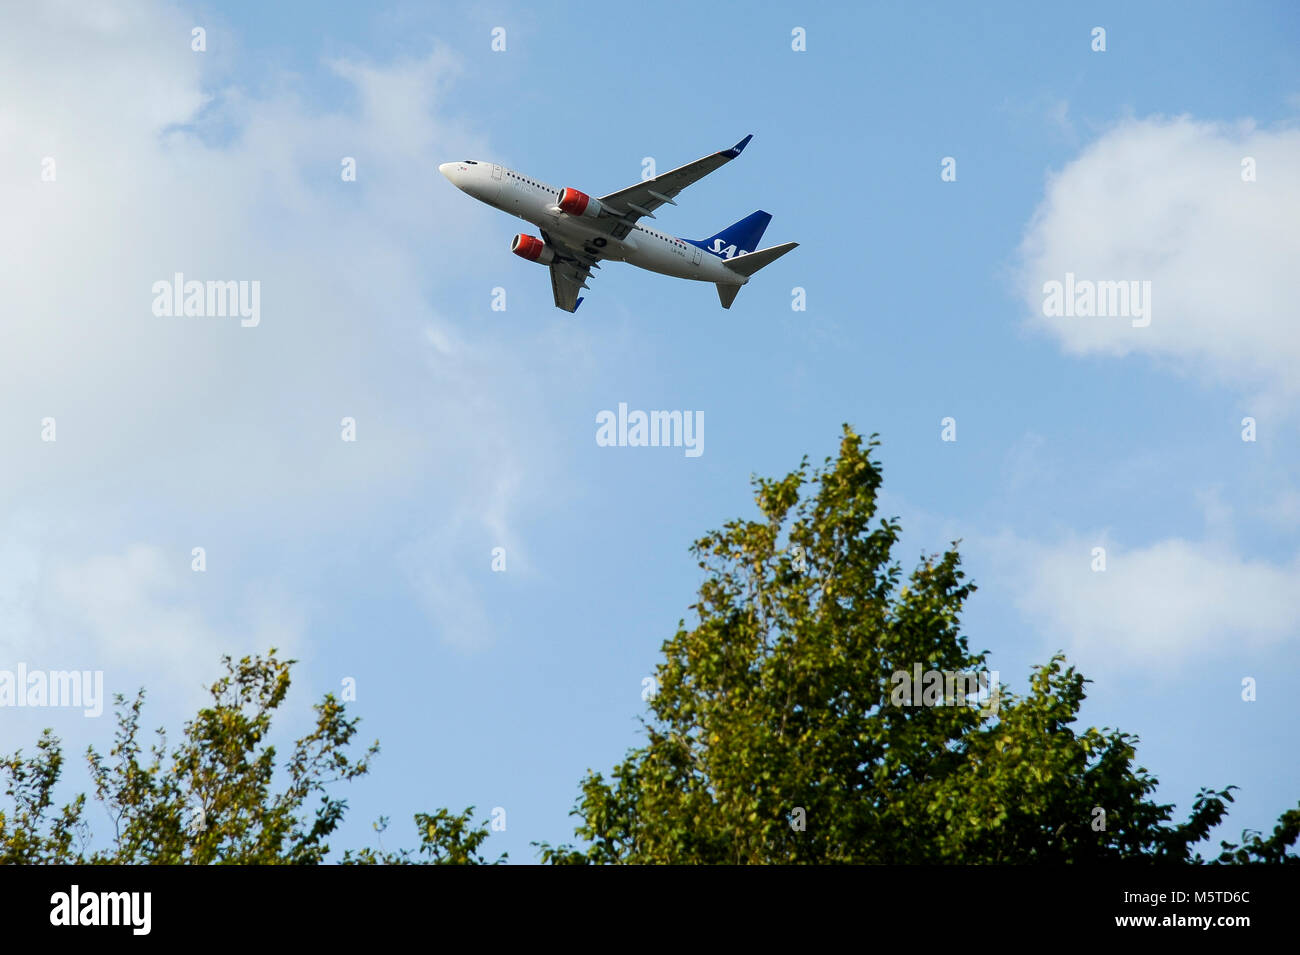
[
  {"x": 577, "y": 203},
  {"x": 532, "y": 248}
]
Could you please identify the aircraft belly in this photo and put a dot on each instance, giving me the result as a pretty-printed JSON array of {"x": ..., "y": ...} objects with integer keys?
[
  {"x": 667, "y": 263},
  {"x": 579, "y": 235},
  {"x": 562, "y": 228}
]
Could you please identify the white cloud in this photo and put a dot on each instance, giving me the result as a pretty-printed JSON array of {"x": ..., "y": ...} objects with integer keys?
[
  {"x": 122, "y": 605},
  {"x": 181, "y": 427},
  {"x": 139, "y": 613},
  {"x": 1284, "y": 508},
  {"x": 1163, "y": 200},
  {"x": 1159, "y": 604}
]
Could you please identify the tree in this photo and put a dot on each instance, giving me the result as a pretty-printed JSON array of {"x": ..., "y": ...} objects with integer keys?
[
  {"x": 781, "y": 731},
  {"x": 212, "y": 799},
  {"x": 789, "y": 727}
]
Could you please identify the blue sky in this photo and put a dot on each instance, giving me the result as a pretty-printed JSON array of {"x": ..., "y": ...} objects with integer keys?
[{"x": 476, "y": 428}]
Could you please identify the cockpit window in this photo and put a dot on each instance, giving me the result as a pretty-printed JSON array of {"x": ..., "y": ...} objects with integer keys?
[{"x": 469, "y": 162}]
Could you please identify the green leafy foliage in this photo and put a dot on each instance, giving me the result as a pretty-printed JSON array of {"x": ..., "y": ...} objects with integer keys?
[
  {"x": 774, "y": 736},
  {"x": 777, "y": 735},
  {"x": 446, "y": 838},
  {"x": 212, "y": 798}
]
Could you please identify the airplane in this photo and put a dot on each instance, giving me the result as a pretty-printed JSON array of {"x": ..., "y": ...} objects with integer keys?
[{"x": 578, "y": 231}]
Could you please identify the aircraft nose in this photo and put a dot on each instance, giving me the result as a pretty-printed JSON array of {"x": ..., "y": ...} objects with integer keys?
[{"x": 448, "y": 169}]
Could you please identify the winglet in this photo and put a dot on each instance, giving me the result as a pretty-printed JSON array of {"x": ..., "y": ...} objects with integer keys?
[
  {"x": 577, "y": 303},
  {"x": 735, "y": 150}
]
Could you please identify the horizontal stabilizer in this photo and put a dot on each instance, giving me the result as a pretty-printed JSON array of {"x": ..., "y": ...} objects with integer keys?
[
  {"x": 751, "y": 262},
  {"x": 727, "y": 294}
]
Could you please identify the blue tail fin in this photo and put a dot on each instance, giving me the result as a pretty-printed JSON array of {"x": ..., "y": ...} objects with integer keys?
[{"x": 737, "y": 239}]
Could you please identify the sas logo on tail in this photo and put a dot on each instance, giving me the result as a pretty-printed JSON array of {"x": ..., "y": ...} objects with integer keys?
[{"x": 726, "y": 251}]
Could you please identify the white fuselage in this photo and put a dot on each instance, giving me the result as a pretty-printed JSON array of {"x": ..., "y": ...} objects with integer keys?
[{"x": 537, "y": 202}]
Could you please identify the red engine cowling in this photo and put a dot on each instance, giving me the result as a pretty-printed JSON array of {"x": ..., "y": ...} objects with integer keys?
[
  {"x": 577, "y": 203},
  {"x": 532, "y": 248}
]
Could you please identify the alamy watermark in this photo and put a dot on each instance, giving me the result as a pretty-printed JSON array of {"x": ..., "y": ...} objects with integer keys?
[
  {"x": 130, "y": 909},
  {"x": 946, "y": 688},
  {"x": 211, "y": 299},
  {"x": 83, "y": 688},
  {"x": 654, "y": 429},
  {"x": 1088, "y": 299}
]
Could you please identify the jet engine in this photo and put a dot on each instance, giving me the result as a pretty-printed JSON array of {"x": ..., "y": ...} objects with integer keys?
[
  {"x": 577, "y": 203},
  {"x": 532, "y": 248}
]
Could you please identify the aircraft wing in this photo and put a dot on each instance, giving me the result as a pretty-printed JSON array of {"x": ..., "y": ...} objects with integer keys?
[
  {"x": 569, "y": 272},
  {"x": 645, "y": 197}
]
